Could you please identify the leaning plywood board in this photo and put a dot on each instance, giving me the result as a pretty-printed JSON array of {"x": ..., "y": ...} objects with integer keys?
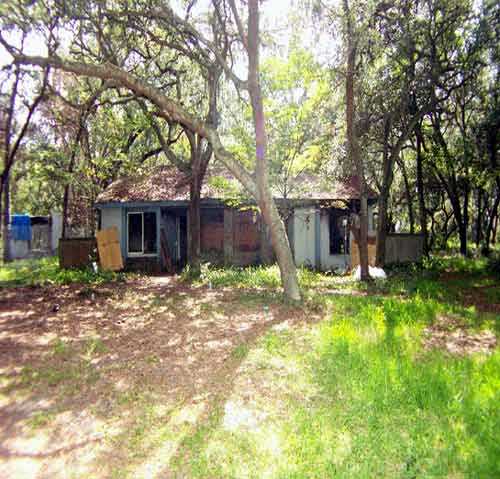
[{"x": 108, "y": 245}]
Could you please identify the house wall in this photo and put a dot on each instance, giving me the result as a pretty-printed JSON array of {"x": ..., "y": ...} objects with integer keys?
[
  {"x": 311, "y": 239},
  {"x": 112, "y": 217},
  {"x": 304, "y": 236}
]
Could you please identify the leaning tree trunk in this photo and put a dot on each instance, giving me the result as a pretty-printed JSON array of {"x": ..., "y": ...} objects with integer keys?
[{"x": 266, "y": 202}]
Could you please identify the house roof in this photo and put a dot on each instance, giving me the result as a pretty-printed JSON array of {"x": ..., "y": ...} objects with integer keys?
[{"x": 167, "y": 183}]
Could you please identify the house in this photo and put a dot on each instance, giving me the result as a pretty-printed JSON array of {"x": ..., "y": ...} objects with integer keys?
[{"x": 151, "y": 214}]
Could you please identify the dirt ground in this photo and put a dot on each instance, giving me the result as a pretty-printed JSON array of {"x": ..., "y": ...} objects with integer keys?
[{"x": 108, "y": 381}]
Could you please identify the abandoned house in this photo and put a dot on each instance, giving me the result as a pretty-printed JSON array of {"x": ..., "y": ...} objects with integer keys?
[{"x": 151, "y": 215}]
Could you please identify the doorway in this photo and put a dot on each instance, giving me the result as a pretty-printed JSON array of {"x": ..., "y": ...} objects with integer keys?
[{"x": 173, "y": 239}]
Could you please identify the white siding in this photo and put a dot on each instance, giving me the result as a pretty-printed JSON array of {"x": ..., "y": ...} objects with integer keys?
[{"x": 303, "y": 236}]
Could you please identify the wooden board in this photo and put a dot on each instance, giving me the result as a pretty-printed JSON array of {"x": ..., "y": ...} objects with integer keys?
[
  {"x": 372, "y": 250},
  {"x": 108, "y": 245}
]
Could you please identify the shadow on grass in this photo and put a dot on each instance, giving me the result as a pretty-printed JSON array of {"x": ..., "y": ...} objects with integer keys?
[{"x": 401, "y": 412}]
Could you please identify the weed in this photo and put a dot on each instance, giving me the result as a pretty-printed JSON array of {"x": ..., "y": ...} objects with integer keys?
[
  {"x": 240, "y": 352},
  {"x": 41, "y": 419},
  {"x": 94, "y": 346}
]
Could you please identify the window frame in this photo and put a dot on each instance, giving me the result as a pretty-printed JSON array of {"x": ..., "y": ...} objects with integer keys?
[{"x": 140, "y": 253}]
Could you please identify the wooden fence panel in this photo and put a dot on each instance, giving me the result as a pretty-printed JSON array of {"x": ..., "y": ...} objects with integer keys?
[{"x": 76, "y": 252}]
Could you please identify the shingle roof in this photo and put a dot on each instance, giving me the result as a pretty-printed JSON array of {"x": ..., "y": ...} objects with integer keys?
[{"x": 167, "y": 183}]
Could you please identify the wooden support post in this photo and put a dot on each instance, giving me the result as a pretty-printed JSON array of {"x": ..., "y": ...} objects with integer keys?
[{"x": 228, "y": 235}]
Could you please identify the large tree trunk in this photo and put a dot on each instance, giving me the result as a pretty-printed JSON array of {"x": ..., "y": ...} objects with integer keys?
[
  {"x": 353, "y": 146},
  {"x": 199, "y": 164},
  {"x": 420, "y": 190},
  {"x": 383, "y": 198},
  {"x": 269, "y": 211},
  {"x": 6, "y": 220}
]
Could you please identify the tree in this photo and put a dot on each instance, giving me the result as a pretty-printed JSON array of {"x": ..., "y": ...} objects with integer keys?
[
  {"x": 113, "y": 67},
  {"x": 18, "y": 110}
]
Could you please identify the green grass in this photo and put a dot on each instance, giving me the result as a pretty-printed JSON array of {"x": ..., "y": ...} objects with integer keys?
[
  {"x": 257, "y": 277},
  {"x": 47, "y": 271},
  {"x": 358, "y": 395}
]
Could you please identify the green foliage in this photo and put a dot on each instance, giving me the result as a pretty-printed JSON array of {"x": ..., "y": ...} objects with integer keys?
[
  {"x": 363, "y": 397},
  {"x": 255, "y": 277},
  {"x": 47, "y": 271}
]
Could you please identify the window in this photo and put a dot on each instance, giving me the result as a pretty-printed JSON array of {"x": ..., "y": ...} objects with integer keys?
[
  {"x": 142, "y": 233},
  {"x": 339, "y": 232}
]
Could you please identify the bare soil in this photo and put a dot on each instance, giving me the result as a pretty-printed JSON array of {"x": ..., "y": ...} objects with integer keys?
[{"x": 107, "y": 381}]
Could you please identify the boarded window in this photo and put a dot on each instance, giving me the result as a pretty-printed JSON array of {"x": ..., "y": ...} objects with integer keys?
[
  {"x": 212, "y": 229},
  {"x": 339, "y": 232},
  {"x": 246, "y": 233}
]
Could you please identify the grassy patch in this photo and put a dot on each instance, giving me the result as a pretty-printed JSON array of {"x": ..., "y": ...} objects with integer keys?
[
  {"x": 358, "y": 395},
  {"x": 41, "y": 419},
  {"x": 258, "y": 277},
  {"x": 47, "y": 271}
]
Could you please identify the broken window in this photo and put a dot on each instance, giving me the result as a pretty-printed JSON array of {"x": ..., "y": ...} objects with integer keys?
[{"x": 142, "y": 233}]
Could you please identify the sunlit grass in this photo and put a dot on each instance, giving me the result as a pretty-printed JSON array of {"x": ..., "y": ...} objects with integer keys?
[
  {"x": 47, "y": 271},
  {"x": 358, "y": 395}
]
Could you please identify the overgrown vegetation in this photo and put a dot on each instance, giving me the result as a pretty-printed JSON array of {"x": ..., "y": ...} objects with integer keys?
[
  {"x": 47, "y": 271},
  {"x": 255, "y": 277}
]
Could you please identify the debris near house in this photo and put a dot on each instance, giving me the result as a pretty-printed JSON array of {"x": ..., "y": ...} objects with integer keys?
[
  {"x": 34, "y": 236},
  {"x": 108, "y": 247},
  {"x": 375, "y": 273}
]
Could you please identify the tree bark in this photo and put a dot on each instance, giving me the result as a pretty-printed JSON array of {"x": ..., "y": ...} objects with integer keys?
[
  {"x": 353, "y": 146},
  {"x": 420, "y": 190},
  {"x": 269, "y": 211},
  {"x": 6, "y": 220}
]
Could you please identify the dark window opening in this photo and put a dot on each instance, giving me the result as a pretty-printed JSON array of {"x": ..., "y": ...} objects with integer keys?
[
  {"x": 339, "y": 232},
  {"x": 142, "y": 233},
  {"x": 150, "y": 233}
]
